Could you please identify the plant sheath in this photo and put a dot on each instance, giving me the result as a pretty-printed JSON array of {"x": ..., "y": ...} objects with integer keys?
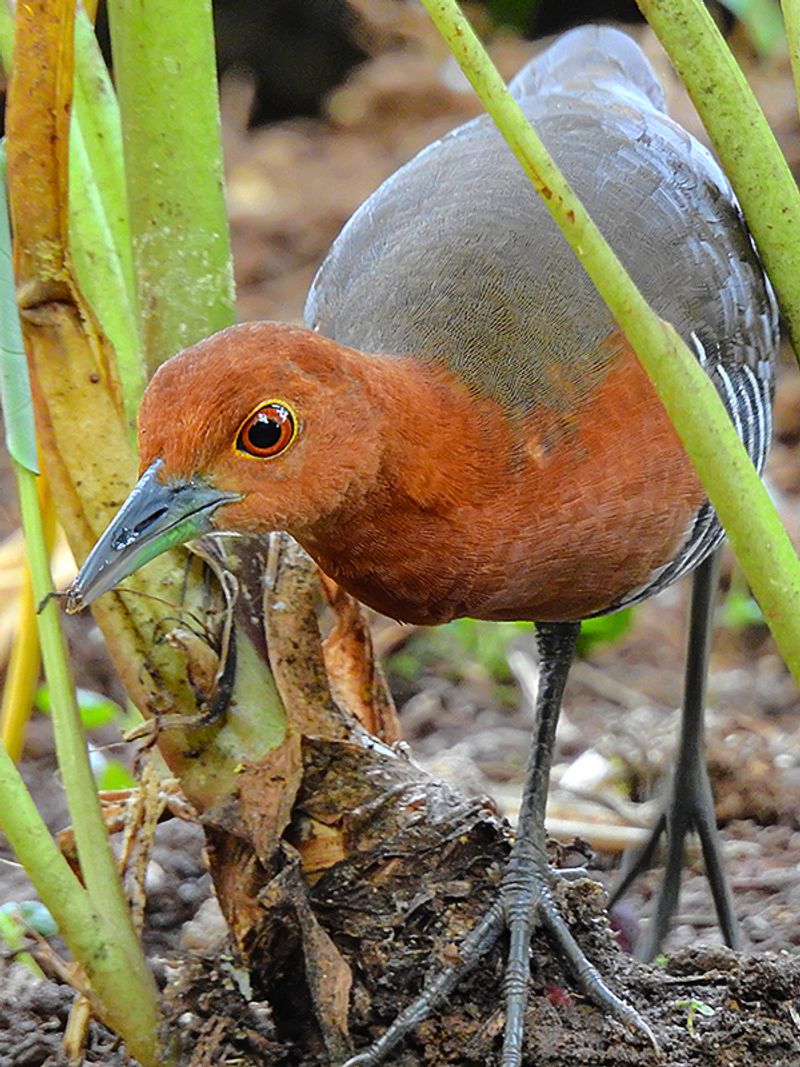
[
  {"x": 105, "y": 943},
  {"x": 165, "y": 73}
]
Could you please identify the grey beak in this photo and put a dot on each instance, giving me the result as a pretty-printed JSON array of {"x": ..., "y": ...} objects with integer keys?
[{"x": 156, "y": 516}]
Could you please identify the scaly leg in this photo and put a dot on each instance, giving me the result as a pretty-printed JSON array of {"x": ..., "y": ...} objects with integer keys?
[
  {"x": 690, "y": 803},
  {"x": 525, "y": 900}
]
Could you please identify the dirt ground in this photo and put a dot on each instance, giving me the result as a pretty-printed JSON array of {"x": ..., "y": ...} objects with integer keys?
[{"x": 291, "y": 186}]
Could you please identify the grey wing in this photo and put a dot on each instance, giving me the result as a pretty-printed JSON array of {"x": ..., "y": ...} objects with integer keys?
[
  {"x": 590, "y": 60},
  {"x": 747, "y": 390},
  {"x": 455, "y": 258}
]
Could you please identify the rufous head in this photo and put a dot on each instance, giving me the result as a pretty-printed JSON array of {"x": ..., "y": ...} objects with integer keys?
[{"x": 261, "y": 427}]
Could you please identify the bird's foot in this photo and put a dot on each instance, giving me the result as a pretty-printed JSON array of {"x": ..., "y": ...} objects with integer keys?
[
  {"x": 689, "y": 808},
  {"x": 690, "y": 803},
  {"x": 525, "y": 902}
]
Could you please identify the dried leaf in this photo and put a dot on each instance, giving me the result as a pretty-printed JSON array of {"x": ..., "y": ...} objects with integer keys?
[
  {"x": 355, "y": 675},
  {"x": 293, "y": 643}
]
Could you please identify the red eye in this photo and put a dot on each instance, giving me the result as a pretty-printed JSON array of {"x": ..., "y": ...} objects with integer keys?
[{"x": 267, "y": 432}]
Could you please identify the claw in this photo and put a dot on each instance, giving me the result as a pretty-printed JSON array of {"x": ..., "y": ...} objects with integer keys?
[{"x": 527, "y": 904}]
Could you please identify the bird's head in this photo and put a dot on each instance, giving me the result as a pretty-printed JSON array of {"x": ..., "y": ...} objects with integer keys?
[{"x": 261, "y": 427}]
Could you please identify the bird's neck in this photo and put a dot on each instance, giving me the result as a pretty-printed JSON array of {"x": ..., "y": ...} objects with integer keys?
[{"x": 440, "y": 452}]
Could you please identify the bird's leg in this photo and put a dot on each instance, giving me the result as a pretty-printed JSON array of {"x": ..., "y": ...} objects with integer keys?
[
  {"x": 690, "y": 804},
  {"x": 526, "y": 884},
  {"x": 526, "y": 881},
  {"x": 525, "y": 899}
]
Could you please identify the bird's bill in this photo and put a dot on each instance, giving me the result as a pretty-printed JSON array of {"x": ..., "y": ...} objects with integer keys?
[{"x": 156, "y": 516}]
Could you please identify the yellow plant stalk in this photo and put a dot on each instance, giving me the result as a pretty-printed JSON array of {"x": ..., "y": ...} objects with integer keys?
[
  {"x": 12, "y": 561},
  {"x": 22, "y": 677},
  {"x": 23, "y": 669}
]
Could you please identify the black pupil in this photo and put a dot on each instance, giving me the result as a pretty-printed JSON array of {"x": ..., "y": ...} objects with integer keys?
[{"x": 265, "y": 432}]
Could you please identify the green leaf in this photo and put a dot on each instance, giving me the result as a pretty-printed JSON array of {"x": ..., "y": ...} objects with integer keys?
[
  {"x": 115, "y": 775},
  {"x": 95, "y": 709},
  {"x": 606, "y": 629},
  {"x": 696, "y": 1007},
  {"x": 740, "y": 610},
  {"x": 99, "y": 228}
]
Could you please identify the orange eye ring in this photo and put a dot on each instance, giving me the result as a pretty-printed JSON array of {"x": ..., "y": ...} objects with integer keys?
[{"x": 268, "y": 431}]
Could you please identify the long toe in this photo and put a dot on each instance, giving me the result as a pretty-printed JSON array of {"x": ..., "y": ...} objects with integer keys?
[
  {"x": 529, "y": 903},
  {"x": 587, "y": 975},
  {"x": 689, "y": 808}
]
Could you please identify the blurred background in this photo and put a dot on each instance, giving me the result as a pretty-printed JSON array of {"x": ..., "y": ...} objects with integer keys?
[{"x": 322, "y": 100}]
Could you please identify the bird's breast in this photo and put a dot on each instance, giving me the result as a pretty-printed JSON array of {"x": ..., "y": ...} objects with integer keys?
[{"x": 552, "y": 515}]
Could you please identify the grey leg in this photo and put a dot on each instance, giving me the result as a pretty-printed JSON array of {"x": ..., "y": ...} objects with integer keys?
[
  {"x": 690, "y": 804},
  {"x": 525, "y": 900}
]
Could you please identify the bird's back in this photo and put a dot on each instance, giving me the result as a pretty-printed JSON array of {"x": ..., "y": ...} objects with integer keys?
[{"x": 456, "y": 258}]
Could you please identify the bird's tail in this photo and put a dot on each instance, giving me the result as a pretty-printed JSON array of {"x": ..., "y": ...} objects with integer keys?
[{"x": 591, "y": 58}]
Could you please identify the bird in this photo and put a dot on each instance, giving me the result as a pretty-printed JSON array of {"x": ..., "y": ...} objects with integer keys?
[{"x": 460, "y": 428}]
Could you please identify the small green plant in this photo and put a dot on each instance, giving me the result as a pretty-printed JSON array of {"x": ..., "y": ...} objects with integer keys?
[
  {"x": 460, "y": 648},
  {"x": 740, "y": 610},
  {"x": 110, "y": 774},
  {"x": 97, "y": 711},
  {"x": 485, "y": 644},
  {"x": 696, "y": 1007},
  {"x": 604, "y": 630},
  {"x": 465, "y": 646},
  {"x": 15, "y": 922}
]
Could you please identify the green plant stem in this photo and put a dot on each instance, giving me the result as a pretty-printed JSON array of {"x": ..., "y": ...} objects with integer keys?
[
  {"x": 791, "y": 18},
  {"x": 94, "y": 849},
  {"x": 742, "y": 138},
  {"x": 11, "y": 931},
  {"x": 131, "y": 1009},
  {"x": 98, "y": 111},
  {"x": 98, "y": 866},
  {"x": 6, "y": 36},
  {"x": 99, "y": 228},
  {"x": 165, "y": 73},
  {"x": 742, "y": 503}
]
